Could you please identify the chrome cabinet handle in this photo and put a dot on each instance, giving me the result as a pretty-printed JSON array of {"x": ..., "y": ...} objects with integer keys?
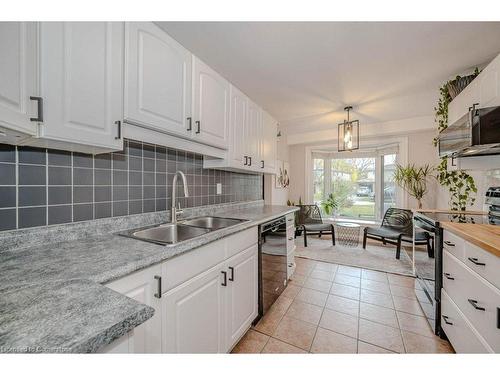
[
  {"x": 445, "y": 318},
  {"x": 231, "y": 276},
  {"x": 448, "y": 276},
  {"x": 119, "y": 125},
  {"x": 190, "y": 125},
  {"x": 158, "y": 293},
  {"x": 474, "y": 304},
  {"x": 476, "y": 261},
  {"x": 39, "y": 117},
  {"x": 449, "y": 243},
  {"x": 198, "y": 127},
  {"x": 290, "y": 238}
]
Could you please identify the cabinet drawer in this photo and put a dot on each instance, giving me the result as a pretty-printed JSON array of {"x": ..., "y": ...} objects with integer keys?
[
  {"x": 240, "y": 241},
  {"x": 478, "y": 300},
  {"x": 290, "y": 220},
  {"x": 485, "y": 264},
  {"x": 184, "y": 267},
  {"x": 454, "y": 244},
  {"x": 177, "y": 270},
  {"x": 459, "y": 332}
]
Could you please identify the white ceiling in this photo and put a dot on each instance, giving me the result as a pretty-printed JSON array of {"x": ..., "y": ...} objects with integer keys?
[{"x": 305, "y": 73}]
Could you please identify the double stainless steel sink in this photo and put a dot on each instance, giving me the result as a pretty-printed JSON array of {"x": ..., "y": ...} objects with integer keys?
[{"x": 173, "y": 233}]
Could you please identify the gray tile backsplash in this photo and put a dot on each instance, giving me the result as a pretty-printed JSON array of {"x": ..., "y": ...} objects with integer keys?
[{"x": 43, "y": 187}]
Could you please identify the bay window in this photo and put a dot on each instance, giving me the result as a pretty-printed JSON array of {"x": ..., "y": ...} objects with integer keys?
[{"x": 361, "y": 183}]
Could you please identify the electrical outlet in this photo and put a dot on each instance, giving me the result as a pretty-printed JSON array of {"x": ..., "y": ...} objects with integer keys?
[{"x": 219, "y": 188}]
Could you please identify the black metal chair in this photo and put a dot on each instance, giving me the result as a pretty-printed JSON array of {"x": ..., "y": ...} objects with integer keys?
[
  {"x": 397, "y": 227},
  {"x": 308, "y": 219}
]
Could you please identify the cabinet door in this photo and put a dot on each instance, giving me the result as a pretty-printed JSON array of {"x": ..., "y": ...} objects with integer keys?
[
  {"x": 254, "y": 134},
  {"x": 157, "y": 80},
  {"x": 81, "y": 82},
  {"x": 142, "y": 286},
  {"x": 269, "y": 142},
  {"x": 193, "y": 315},
  {"x": 18, "y": 76},
  {"x": 238, "y": 125},
  {"x": 210, "y": 106},
  {"x": 242, "y": 303}
]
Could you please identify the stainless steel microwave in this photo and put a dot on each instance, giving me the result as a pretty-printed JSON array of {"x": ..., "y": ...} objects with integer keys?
[{"x": 475, "y": 133}]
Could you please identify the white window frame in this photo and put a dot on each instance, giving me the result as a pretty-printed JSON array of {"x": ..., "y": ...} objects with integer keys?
[{"x": 401, "y": 158}]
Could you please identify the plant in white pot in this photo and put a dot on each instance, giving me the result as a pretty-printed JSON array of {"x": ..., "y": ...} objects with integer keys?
[{"x": 414, "y": 180}]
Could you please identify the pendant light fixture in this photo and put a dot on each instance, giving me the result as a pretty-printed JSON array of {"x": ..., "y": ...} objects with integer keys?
[{"x": 348, "y": 137}]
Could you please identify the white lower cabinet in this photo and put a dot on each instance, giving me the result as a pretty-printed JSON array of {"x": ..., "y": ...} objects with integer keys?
[
  {"x": 242, "y": 294},
  {"x": 205, "y": 308},
  {"x": 193, "y": 315},
  {"x": 211, "y": 312},
  {"x": 460, "y": 332},
  {"x": 471, "y": 300},
  {"x": 142, "y": 287}
]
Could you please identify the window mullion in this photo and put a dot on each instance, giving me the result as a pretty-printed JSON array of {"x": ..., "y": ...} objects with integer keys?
[{"x": 328, "y": 176}]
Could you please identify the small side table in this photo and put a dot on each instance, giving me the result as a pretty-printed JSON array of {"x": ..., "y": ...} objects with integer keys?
[{"x": 347, "y": 234}]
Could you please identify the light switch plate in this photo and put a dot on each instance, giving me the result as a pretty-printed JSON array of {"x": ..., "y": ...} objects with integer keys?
[{"x": 219, "y": 188}]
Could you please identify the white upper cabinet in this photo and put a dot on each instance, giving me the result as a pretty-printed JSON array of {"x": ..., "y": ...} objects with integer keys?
[
  {"x": 18, "y": 77},
  {"x": 254, "y": 134},
  {"x": 238, "y": 125},
  {"x": 210, "y": 106},
  {"x": 489, "y": 84},
  {"x": 157, "y": 80},
  {"x": 269, "y": 146},
  {"x": 483, "y": 91},
  {"x": 81, "y": 74}
]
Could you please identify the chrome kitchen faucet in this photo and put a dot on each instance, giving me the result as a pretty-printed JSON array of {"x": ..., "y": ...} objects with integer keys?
[{"x": 174, "y": 210}]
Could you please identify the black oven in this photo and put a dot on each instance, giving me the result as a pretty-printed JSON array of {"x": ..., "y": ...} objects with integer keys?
[{"x": 428, "y": 271}]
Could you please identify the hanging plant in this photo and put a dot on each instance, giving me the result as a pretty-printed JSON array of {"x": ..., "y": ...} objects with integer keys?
[{"x": 461, "y": 185}]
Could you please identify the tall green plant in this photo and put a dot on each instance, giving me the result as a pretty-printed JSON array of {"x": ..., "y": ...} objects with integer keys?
[
  {"x": 330, "y": 204},
  {"x": 460, "y": 184},
  {"x": 414, "y": 180}
]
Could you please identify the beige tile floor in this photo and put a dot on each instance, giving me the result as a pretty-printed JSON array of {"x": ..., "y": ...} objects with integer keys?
[{"x": 330, "y": 308}]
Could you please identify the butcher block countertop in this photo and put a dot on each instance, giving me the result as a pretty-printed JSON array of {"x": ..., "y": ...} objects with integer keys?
[{"x": 485, "y": 236}]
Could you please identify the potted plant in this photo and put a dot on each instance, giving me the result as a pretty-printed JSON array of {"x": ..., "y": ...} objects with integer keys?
[
  {"x": 413, "y": 180},
  {"x": 330, "y": 205}
]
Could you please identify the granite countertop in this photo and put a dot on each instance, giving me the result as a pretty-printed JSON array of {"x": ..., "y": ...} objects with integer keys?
[
  {"x": 485, "y": 236},
  {"x": 62, "y": 280}
]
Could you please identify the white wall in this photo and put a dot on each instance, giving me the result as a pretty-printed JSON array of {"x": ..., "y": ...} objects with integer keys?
[
  {"x": 421, "y": 151},
  {"x": 272, "y": 195},
  {"x": 297, "y": 173}
]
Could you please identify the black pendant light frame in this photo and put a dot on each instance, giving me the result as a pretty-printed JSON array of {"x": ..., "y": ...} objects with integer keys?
[{"x": 342, "y": 128}]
